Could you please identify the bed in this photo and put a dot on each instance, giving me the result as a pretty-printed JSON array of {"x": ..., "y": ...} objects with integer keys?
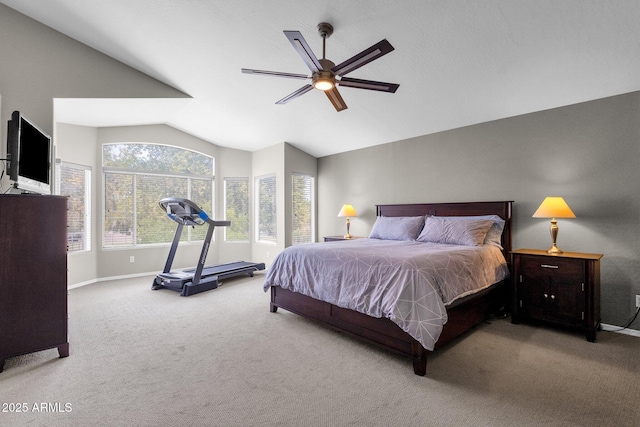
[{"x": 386, "y": 323}]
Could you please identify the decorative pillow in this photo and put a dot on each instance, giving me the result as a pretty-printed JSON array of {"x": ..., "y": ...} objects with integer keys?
[
  {"x": 494, "y": 235},
  {"x": 397, "y": 227},
  {"x": 464, "y": 231}
]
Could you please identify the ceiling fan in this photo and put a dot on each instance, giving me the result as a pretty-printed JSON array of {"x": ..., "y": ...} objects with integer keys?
[{"x": 324, "y": 72}]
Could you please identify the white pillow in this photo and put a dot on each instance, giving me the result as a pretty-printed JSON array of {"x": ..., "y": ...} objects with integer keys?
[
  {"x": 468, "y": 232},
  {"x": 397, "y": 227}
]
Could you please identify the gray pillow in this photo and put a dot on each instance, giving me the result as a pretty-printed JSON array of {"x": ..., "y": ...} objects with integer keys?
[
  {"x": 397, "y": 227},
  {"x": 463, "y": 231},
  {"x": 494, "y": 235}
]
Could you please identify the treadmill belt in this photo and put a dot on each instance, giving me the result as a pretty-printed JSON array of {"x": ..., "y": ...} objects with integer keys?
[{"x": 225, "y": 268}]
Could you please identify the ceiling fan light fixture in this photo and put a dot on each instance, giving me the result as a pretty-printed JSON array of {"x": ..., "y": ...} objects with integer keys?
[
  {"x": 323, "y": 83},
  {"x": 324, "y": 80}
]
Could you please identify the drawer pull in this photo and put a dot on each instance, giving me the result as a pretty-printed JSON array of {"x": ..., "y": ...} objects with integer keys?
[
  {"x": 553, "y": 297},
  {"x": 548, "y": 266},
  {"x": 545, "y": 295}
]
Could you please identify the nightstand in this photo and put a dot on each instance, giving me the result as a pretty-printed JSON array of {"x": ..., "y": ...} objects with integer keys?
[
  {"x": 561, "y": 289},
  {"x": 336, "y": 238}
]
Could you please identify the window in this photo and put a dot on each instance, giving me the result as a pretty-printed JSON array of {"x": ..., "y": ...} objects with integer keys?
[
  {"x": 266, "y": 224},
  {"x": 302, "y": 209},
  {"x": 75, "y": 181},
  {"x": 236, "y": 209},
  {"x": 137, "y": 176}
]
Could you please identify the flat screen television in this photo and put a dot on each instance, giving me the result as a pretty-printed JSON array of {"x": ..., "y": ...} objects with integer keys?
[{"x": 28, "y": 155}]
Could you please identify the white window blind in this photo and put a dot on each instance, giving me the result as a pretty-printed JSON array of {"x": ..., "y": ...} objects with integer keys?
[
  {"x": 266, "y": 218},
  {"x": 236, "y": 208},
  {"x": 302, "y": 209},
  {"x": 75, "y": 182},
  {"x": 137, "y": 177}
]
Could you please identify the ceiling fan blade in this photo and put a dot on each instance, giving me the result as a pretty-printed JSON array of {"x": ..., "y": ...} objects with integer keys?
[
  {"x": 374, "y": 52},
  {"x": 336, "y": 99},
  {"x": 369, "y": 84},
  {"x": 275, "y": 74},
  {"x": 304, "y": 89},
  {"x": 303, "y": 49}
]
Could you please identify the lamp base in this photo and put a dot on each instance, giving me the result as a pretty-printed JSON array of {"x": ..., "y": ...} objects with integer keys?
[
  {"x": 554, "y": 236},
  {"x": 348, "y": 236},
  {"x": 554, "y": 250}
]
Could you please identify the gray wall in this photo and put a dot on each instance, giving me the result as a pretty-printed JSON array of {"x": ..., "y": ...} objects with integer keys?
[
  {"x": 281, "y": 160},
  {"x": 38, "y": 64},
  {"x": 587, "y": 153}
]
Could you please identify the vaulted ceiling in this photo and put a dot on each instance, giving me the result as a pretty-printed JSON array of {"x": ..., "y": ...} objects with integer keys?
[{"x": 458, "y": 63}]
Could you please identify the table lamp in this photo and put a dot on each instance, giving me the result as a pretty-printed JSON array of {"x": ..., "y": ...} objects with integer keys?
[
  {"x": 554, "y": 207},
  {"x": 348, "y": 211}
]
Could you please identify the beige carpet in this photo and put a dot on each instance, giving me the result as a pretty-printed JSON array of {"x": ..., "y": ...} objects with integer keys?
[{"x": 220, "y": 358}]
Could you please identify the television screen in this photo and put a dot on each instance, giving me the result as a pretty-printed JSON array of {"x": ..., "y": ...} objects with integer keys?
[{"x": 29, "y": 152}]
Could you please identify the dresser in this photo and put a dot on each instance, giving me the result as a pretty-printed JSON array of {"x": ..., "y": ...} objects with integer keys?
[
  {"x": 33, "y": 275},
  {"x": 561, "y": 289}
]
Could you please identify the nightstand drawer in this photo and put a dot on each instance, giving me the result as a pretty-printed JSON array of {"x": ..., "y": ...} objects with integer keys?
[{"x": 564, "y": 269}]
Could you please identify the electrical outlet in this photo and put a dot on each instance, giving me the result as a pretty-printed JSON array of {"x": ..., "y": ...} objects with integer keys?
[
  {"x": 638, "y": 301},
  {"x": 132, "y": 259}
]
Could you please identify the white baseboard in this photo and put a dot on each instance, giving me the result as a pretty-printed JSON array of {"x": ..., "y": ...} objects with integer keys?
[
  {"x": 106, "y": 279},
  {"x": 614, "y": 328}
]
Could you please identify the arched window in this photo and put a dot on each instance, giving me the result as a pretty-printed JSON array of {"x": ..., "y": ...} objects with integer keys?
[{"x": 137, "y": 176}]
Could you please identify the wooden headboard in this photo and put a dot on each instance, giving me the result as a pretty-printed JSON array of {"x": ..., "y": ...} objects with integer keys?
[{"x": 503, "y": 209}]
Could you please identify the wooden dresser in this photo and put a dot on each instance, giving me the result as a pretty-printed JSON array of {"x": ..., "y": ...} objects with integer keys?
[{"x": 33, "y": 275}]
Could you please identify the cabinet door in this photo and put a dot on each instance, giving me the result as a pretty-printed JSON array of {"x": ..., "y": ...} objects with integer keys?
[
  {"x": 552, "y": 289},
  {"x": 532, "y": 288},
  {"x": 567, "y": 297}
]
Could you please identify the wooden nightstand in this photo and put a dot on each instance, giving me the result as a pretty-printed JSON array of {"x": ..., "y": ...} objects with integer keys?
[
  {"x": 559, "y": 289},
  {"x": 336, "y": 238}
]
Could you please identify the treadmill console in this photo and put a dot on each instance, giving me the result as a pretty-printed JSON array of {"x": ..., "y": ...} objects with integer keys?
[{"x": 183, "y": 211}]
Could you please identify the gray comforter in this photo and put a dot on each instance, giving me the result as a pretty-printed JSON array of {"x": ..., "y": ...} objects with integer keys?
[{"x": 409, "y": 282}]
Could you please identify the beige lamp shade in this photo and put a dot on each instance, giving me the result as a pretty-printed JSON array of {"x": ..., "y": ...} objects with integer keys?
[
  {"x": 554, "y": 207},
  {"x": 347, "y": 210}
]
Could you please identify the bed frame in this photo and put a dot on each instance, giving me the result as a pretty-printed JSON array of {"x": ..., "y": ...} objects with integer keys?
[{"x": 463, "y": 314}]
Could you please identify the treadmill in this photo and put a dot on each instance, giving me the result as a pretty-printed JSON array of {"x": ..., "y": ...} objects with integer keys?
[{"x": 202, "y": 278}]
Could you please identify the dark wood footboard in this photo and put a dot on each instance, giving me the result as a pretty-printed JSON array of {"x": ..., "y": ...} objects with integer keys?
[{"x": 463, "y": 315}]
